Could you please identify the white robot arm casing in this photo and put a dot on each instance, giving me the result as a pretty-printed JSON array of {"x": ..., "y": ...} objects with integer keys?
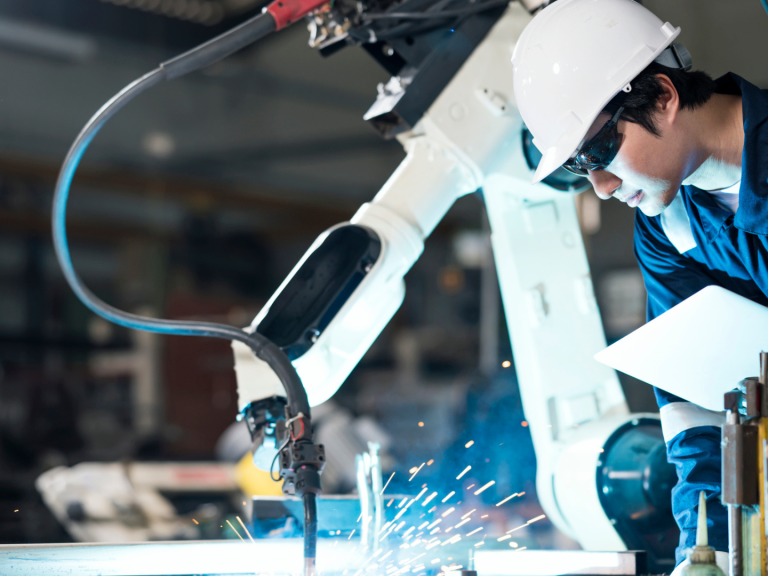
[{"x": 469, "y": 139}]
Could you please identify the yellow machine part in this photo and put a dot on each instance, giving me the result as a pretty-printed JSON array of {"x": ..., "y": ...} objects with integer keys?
[{"x": 253, "y": 481}]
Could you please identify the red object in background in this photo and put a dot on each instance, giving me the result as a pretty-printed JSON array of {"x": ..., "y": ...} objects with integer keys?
[
  {"x": 200, "y": 385},
  {"x": 286, "y": 12}
]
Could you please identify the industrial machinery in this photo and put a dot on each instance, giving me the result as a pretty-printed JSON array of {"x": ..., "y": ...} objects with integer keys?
[{"x": 450, "y": 103}]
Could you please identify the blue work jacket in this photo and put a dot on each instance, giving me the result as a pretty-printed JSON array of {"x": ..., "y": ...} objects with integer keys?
[{"x": 731, "y": 250}]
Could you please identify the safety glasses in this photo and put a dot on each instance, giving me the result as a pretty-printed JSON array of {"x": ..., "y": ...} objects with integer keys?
[{"x": 599, "y": 151}]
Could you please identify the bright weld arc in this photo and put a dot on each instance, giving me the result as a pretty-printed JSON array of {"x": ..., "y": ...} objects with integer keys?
[
  {"x": 467, "y": 469},
  {"x": 448, "y": 497},
  {"x": 484, "y": 488}
]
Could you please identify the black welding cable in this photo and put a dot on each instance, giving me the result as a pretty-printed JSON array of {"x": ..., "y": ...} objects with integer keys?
[
  {"x": 310, "y": 533},
  {"x": 194, "y": 59},
  {"x": 472, "y": 9}
]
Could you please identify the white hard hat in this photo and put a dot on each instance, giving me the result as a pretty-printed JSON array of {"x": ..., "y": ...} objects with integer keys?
[{"x": 572, "y": 59}]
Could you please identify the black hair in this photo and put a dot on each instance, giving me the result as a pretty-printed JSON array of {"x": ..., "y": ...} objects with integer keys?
[{"x": 640, "y": 104}]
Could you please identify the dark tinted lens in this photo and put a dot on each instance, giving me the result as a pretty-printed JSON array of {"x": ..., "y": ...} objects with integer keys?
[
  {"x": 600, "y": 151},
  {"x": 573, "y": 168}
]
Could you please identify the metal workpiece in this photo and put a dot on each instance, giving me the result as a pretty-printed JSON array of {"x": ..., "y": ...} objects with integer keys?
[{"x": 282, "y": 557}]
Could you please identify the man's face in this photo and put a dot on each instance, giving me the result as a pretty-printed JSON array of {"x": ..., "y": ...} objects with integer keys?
[{"x": 646, "y": 173}]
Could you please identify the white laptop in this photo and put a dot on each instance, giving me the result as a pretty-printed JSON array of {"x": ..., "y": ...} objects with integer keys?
[{"x": 697, "y": 350}]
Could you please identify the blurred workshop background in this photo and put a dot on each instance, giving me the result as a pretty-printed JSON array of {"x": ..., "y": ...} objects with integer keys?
[{"x": 195, "y": 202}]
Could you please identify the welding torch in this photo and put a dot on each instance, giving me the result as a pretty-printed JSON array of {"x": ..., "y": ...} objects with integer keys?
[{"x": 301, "y": 460}]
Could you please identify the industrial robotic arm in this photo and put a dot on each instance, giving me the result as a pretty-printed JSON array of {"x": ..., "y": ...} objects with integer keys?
[{"x": 451, "y": 105}]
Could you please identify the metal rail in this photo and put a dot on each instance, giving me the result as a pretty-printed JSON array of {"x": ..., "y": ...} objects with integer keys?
[{"x": 280, "y": 557}]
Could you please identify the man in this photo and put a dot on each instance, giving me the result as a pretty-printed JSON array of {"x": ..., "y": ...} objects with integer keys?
[{"x": 607, "y": 94}]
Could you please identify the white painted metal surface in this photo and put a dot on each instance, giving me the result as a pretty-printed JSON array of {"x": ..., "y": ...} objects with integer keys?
[
  {"x": 471, "y": 138},
  {"x": 274, "y": 557}
]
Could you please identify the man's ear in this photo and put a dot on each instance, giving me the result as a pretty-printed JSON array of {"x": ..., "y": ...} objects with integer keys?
[{"x": 668, "y": 104}]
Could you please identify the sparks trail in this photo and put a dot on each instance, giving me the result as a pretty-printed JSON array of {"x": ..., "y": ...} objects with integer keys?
[
  {"x": 475, "y": 531},
  {"x": 467, "y": 469},
  {"x": 417, "y": 471},
  {"x": 484, "y": 488},
  {"x": 448, "y": 497},
  {"x": 429, "y": 499},
  {"x": 531, "y": 521},
  {"x": 387, "y": 484},
  {"x": 444, "y": 514},
  {"x": 508, "y": 498},
  {"x": 244, "y": 528},
  {"x": 236, "y": 532}
]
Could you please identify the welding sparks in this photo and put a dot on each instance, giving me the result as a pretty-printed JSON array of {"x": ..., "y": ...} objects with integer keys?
[
  {"x": 387, "y": 484},
  {"x": 523, "y": 548},
  {"x": 513, "y": 544},
  {"x": 531, "y": 521},
  {"x": 430, "y": 463},
  {"x": 236, "y": 532},
  {"x": 193, "y": 520},
  {"x": 505, "y": 537},
  {"x": 420, "y": 494},
  {"x": 435, "y": 561},
  {"x": 417, "y": 471},
  {"x": 435, "y": 523},
  {"x": 390, "y": 502},
  {"x": 402, "y": 502},
  {"x": 421, "y": 424},
  {"x": 411, "y": 529},
  {"x": 444, "y": 514},
  {"x": 448, "y": 497},
  {"x": 484, "y": 488},
  {"x": 479, "y": 544},
  {"x": 468, "y": 444},
  {"x": 507, "y": 499},
  {"x": 432, "y": 509},
  {"x": 468, "y": 513},
  {"x": 467, "y": 469},
  {"x": 435, "y": 531},
  {"x": 475, "y": 531},
  {"x": 351, "y": 534},
  {"x": 506, "y": 364},
  {"x": 452, "y": 540},
  {"x": 244, "y": 528},
  {"x": 423, "y": 525},
  {"x": 462, "y": 522},
  {"x": 484, "y": 516},
  {"x": 429, "y": 499}
]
